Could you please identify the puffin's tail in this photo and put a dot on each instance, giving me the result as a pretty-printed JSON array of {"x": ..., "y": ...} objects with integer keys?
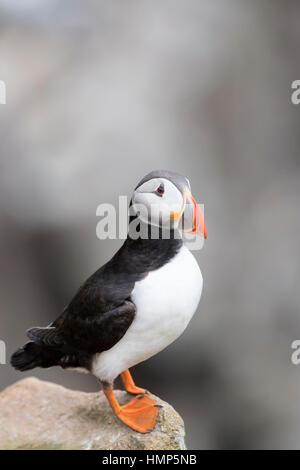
[
  {"x": 27, "y": 358},
  {"x": 33, "y": 355}
]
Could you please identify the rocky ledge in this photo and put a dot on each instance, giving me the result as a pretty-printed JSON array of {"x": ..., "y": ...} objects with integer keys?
[{"x": 40, "y": 415}]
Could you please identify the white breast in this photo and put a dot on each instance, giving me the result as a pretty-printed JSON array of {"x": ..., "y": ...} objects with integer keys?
[{"x": 166, "y": 301}]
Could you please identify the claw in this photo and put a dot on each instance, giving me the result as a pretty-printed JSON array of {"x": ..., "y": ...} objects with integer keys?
[{"x": 143, "y": 394}]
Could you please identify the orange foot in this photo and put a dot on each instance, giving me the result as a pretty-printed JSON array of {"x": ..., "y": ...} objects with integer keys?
[
  {"x": 129, "y": 384},
  {"x": 139, "y": 414}
]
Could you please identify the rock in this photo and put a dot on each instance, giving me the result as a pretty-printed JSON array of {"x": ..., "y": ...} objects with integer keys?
[{"x": 41, "y": 415}]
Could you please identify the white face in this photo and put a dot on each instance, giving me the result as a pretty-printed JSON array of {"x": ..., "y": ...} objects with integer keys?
[{"x": 155, "y": 200}]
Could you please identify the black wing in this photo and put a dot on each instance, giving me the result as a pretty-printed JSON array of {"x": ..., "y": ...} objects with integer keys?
[{"x": 91, "y": 334}]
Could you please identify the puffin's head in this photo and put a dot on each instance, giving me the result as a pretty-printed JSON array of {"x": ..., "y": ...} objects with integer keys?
[{"x": 163, "y": 199}]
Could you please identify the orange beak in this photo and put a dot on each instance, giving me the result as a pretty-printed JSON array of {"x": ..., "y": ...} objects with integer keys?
[{"x": 199, "y": 226}]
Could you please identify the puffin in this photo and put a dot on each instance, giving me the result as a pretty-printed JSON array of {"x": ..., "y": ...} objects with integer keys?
[{"x": 135, "y": 305}]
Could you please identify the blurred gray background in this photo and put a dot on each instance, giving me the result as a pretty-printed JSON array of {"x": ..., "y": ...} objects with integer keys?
[{"x": 98, "y": 94}]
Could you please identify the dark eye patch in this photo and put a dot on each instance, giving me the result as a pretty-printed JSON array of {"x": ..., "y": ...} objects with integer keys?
[{"x": 160, "y": 191}]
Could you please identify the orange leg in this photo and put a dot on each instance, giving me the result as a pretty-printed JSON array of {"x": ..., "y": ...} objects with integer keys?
[
  {"x": 139, "y": 414},
  {"x": 129, "y": 384}
]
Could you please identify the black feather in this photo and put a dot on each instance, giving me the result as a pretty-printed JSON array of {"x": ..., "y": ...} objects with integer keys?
[
  {"x": 47, "y": 336},
  {"x": 34, "y": 355}
]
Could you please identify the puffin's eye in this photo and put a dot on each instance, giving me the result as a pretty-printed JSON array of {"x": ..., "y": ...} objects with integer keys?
[{"x": 160, "y": 190}]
